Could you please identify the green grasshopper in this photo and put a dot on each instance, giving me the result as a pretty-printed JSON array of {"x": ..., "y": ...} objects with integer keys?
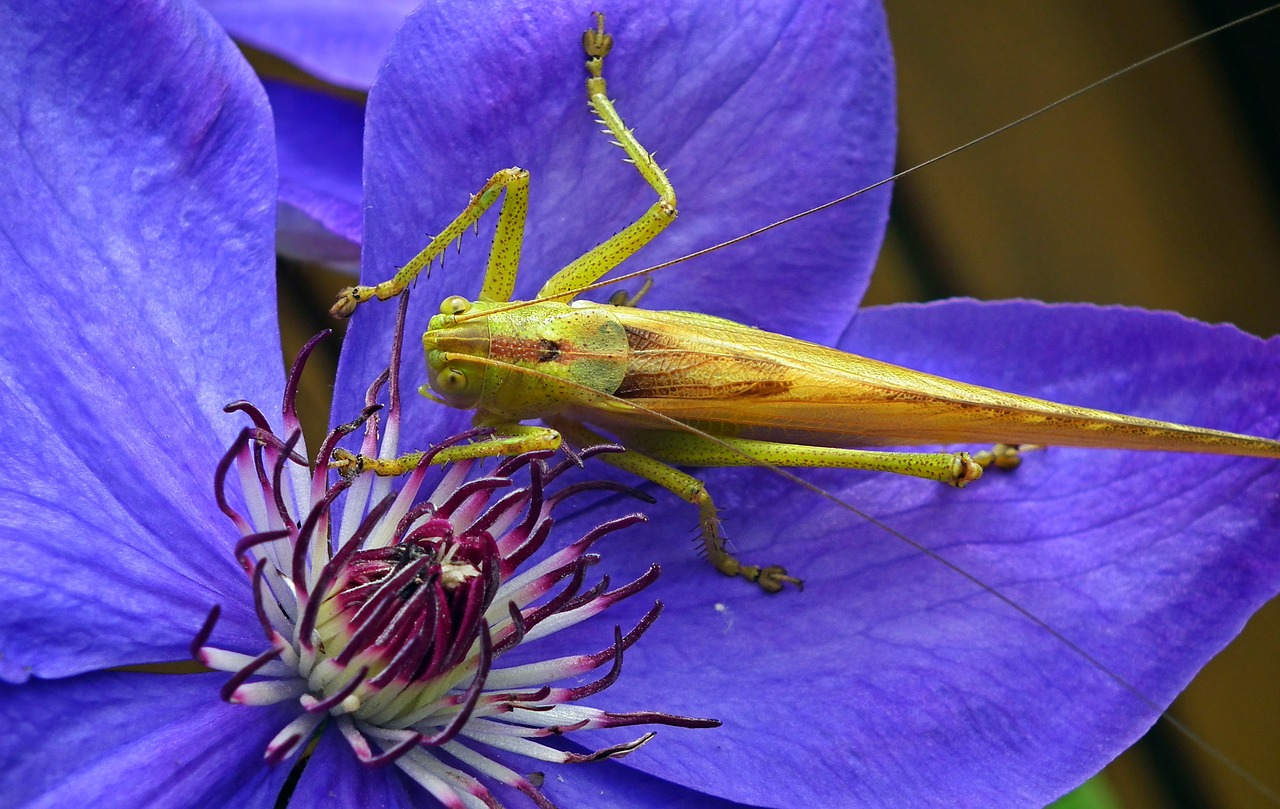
[{"x": 687, "y": 389}]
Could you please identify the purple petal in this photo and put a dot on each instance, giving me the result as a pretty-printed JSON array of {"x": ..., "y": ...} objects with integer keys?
[
  {"x": 753, "y": 119},
  {"x": 334, "y": 777},
  {"x": 340, "y": 41},
  {"x": 903, "y": 682},
  {"x": 126, "y": 739},
  {"x": 318, "y": 140},
  {"x": 615, "y": 784},
  {"x": 138, "y": 207}
]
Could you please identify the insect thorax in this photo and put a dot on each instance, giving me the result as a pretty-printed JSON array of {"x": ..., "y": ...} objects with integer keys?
[{"x": 533, "y": 361}]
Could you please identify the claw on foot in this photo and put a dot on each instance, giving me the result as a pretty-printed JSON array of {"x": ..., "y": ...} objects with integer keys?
[
  {"x": 348, "y": 299},
  {"x": 1003, "y": 456},
  {"x": 595, "y": 41},
  {"x": 771, "y": 579},
  {"x": 966, "y": 470},
  {"x": 346, "y": 462}
]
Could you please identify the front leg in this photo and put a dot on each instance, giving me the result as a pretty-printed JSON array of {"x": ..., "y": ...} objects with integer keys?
[
  {"x": 504, "y": 257},
  {"x": 508, "y": 439}
]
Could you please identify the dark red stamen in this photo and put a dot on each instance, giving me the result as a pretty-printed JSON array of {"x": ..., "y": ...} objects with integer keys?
[
  {"x": 466, "y": 490},
  {"x": 302, "y": 546},
  {"x": 277, "y": 475},
  {"x": 260, "y": 591},
  {"x": 332, "y": 569},
  {"x": 206, "y": 629},
  {"x": 254, "y": 414},
  {"x": 368, "y": 634},
  {"x": 333, "y": 700},
  {"x": 240, "y": 445},
  {"x": 242, "y": 676},
  {"x": 250, "y": 541},
  {"x": 290, "y": 410},
  {"x": 517, "y": 556},
  {"x": 472, "y": 696}
]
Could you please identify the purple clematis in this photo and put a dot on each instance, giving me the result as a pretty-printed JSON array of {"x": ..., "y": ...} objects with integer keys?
[{"x": 138, "y": 245}]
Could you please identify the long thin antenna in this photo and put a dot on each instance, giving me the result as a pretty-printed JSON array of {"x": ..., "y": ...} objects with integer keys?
[
  {"x": 943, "y": 156},
  {"x": 1130, "y": 68}
]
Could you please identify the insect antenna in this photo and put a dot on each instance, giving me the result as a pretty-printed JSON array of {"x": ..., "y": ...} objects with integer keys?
[{"x": 945, "y": 155}]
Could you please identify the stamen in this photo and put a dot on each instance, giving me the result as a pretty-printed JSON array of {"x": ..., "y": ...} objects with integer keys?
[
  {"x": 386, "y": 613},
  {"x": 290, "y": 738},
  {"x": 290, "y": 409},
  {"x": 337, "y": 702}
]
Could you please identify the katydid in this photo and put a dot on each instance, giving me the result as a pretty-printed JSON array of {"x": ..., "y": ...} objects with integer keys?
[{"x": 686, "y": 389}]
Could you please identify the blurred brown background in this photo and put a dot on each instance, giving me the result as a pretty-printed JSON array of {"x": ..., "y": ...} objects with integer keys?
[{"x": 1158, "y": 190}]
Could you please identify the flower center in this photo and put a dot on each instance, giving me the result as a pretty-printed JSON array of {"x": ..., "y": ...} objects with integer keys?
[
  {"x": 404, "y": 617},
  {"x": 386, "y": 610}
]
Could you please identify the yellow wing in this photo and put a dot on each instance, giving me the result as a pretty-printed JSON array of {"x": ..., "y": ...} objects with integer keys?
[{"x": 734, "y": 380}]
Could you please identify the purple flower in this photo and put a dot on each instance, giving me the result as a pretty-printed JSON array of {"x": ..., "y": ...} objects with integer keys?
[{"x": 138, "y": 236}]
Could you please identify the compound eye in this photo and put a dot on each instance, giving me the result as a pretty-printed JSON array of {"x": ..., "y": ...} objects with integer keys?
[
  {"x": 454, "y": 305},
  {"x": 452, "y": 381}
]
